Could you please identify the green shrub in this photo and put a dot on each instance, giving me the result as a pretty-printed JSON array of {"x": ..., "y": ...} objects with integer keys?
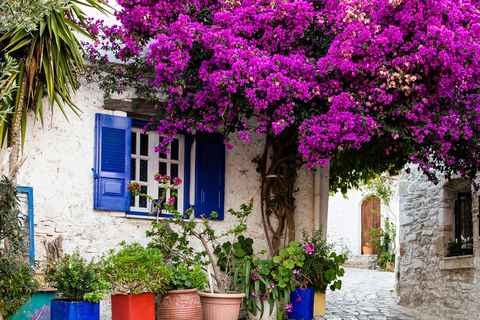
[
  {"x": 184, "y": 277},
  {"x": 17, "y": 283},
  {"x": 135, "y": 269},
  {"x": 76, "y": 279}
]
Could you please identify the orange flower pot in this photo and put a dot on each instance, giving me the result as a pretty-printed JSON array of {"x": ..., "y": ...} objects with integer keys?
[
  {"x": 367, "y": 250},
  {"x": 218, "y": 306},
  {"x": 133, "y": 307},
  {"x": 180, "y": 305}
]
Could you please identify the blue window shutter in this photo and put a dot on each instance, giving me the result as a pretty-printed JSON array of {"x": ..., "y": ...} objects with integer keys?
[
  {"x": 112, "y": 162},
  {"x": 209, "y": 176}
]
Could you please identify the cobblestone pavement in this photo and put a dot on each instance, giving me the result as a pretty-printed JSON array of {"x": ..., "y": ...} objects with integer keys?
[{"x": 367, "y": 294}]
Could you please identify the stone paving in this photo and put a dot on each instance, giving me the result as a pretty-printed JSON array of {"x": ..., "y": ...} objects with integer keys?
[{"x": 367, "y": 294}]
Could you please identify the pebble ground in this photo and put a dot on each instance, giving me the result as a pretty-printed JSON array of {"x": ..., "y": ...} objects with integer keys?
[{"x": 367, "y": 294}]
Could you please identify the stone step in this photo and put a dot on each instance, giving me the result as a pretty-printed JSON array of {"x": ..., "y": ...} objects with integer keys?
[{"x": 366, "y": 261}]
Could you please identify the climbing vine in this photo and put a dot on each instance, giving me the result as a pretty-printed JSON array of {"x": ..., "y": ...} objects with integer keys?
[
  {"x": 278, "y": 166},
  {"x": 381, "y": 187}
]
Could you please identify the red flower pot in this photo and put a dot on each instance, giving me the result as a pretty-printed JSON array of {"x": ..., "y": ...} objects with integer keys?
[{"x": 133, "y": 307}]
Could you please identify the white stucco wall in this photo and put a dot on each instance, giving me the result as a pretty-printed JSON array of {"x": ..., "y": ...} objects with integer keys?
[
  {"x": 345, "y": 217},
  {"x": 60, "y": 158},
  {"x": 344, "y": 220}
]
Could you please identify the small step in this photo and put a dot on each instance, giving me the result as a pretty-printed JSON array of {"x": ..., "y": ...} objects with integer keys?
[{"x": 365, "y": 261}]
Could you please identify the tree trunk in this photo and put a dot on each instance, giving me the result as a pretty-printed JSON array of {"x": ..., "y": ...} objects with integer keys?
[
  {"x": 15, "y": 134},
  {"x": 278, "y": 167}
]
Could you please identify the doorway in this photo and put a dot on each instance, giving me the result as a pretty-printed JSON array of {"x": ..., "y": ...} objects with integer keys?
[{"x": 370, "y": 219}]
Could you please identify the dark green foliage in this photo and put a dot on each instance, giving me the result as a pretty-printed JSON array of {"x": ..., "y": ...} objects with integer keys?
[
  {"x": 135, "y": 269},
  {"x": 76, "y": 279},
  {"x": 17, "y": 283},
  {"x": 322, "y": 267},
  {"x": 268, "y": 282},
  {"x": 241, "y": 248},
  {"x": 184, "y": 277}
]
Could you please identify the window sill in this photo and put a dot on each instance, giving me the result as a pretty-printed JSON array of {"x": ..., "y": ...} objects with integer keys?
[{"x": 459, "y": 262}]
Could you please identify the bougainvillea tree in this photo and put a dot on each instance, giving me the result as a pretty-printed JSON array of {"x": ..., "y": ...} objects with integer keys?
[{"x": 367, "y": 85}]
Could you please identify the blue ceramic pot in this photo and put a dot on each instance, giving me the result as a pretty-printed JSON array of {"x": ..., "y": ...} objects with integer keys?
[
  {"x": 74, "y": 310},
  {"x": 302, "y": 301}
]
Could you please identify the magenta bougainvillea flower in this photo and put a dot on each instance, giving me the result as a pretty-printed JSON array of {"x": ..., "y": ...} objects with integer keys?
[{"x": 398, "y": 79}]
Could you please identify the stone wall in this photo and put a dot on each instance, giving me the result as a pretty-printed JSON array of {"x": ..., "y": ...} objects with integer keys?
[
  {"x": 60, "y": 158},
  {"x": 429, "y": 281}
]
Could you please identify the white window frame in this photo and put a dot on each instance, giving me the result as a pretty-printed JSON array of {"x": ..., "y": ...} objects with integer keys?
[{"x": 153, "y": 167}]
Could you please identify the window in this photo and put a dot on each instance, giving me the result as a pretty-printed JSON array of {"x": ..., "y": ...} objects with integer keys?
[
  {"x": 463, "y": 223},
  {"x": 25, "y": 197},
  {"x": 124, "y": 154},
  {"x": 456, "y": 214},
  {"x": 145, "y": 162}
]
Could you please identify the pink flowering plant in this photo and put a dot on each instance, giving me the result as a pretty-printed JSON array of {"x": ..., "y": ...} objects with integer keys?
[
  {"x": 364, "y": 85},
  {"x": 398, "y": 79},
  {"x": 268, "y": 282},
  {"x": 174, "y": 235},
  {"x": 321, "y": 268}
]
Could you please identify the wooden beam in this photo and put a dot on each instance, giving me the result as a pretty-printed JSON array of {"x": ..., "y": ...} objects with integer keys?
[{"x": 143, "y": 111}]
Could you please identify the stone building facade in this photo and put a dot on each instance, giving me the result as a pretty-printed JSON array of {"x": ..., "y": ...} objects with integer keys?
[
  {"x": 60, "y": 158},
  {"x": 432, "y": 278}
]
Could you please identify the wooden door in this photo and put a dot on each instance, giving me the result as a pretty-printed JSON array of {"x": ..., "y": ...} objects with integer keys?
[{"x": 370, "y": 219}]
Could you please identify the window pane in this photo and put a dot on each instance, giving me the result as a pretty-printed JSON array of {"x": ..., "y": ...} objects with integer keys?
[
  {"x": 174, "y": 149},
  {"x": 134, "y": 143},
  {"x": 162, "y": 155},
  {"x": 133, "y": 168},
  {"x": 143, "y": 200},
  {"x": 174, "y": 170},
  {"x": 144, "y": 144},
  {"x": 132, "y": 200},
  {"x": 162, "y": 168},
  {"x": 160, "y": 194},
  {"x": 175, "y": 204},
  {"x": 144, "y": 170}
]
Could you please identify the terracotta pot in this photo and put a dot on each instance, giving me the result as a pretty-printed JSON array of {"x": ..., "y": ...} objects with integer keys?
[
  {"x": 179, "y": 305},
  {"x": 133, "y": 307},
  {"x": 390, "y": 266},
  {"x": 218, "y": 306},
  {"x": 367, "y": 250}
]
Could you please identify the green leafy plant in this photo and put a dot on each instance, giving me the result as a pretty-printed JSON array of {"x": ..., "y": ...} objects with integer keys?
[
  {"x": 17, "y": 283},
  {"x": 384, "y": 240},
  {"x": 76, "y": 279},
  {"x": 269, "y": 281},
  {"x": 322, "y": 266},
  {"x": 135, "y": 269},
  {"x": 241, "y": 248},
  {"x": 175, "y": 244},
  {"x": 187, "y": 277},
  {"x": 381, "y": 187}
]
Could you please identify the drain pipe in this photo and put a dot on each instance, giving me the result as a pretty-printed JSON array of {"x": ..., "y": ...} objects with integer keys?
[{"x": 320, "y": 197}]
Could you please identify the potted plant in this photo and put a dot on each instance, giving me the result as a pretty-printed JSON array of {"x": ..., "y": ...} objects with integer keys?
[
  {"x": 135, "y": 274},
  {"x": 80, "y": 287},
  {"x": 269, "y": 281},
  {"x": 180, "y": 301},
  {"x": 367, "y": 248},
  {"x": 319, "y": 271},
  {"x": 175, "y": 246}
]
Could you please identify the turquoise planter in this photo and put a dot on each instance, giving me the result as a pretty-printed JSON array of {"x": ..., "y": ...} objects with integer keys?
[
  {"x": 74, "y": 310},
  {"x": 38, "y": 301},
  {"x": 302, "y": 301}
]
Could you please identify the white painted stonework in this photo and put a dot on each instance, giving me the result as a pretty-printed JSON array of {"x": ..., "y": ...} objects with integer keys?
[
  {"x": 345, "y": 217},
  {"x": 445, "y": 287},
  {"x": 58, "y": 168}
]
